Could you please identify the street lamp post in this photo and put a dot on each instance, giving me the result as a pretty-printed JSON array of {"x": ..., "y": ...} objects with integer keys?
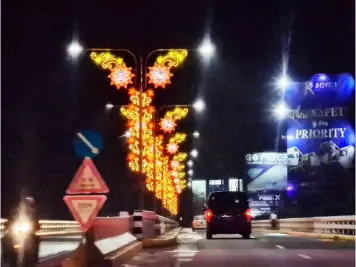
[
  {"x": 199, "y": 106},
  {"x": 207, "y": 49}
]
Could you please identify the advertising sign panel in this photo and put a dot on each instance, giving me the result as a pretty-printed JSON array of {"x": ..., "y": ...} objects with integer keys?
[
  {"x": 321, "y": 90},
  {"x": 199, "y": 195},
  {"x": 266, "y": 171},
  {"x": 317, "y": 142},
  {"x": 216, "y": 185}
]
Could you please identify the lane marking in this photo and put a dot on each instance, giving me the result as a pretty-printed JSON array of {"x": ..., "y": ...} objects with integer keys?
[
  {"x": 182, "y": 251},
  {"x": 304, "y": 256},
  {"x": 263, "y": 240},
  {"x": 280, "y": 247}
]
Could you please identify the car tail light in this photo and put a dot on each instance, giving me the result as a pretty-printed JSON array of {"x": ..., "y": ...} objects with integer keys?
[
  {"x": 208, "y": 215},
  {"x": 248, "y": 215}
]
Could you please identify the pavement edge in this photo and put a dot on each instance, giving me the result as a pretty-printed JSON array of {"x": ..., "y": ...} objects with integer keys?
[{"x": 160, "y": 242}]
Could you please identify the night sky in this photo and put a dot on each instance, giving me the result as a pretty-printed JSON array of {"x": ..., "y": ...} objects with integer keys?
[{"x": 47, "y": 98}]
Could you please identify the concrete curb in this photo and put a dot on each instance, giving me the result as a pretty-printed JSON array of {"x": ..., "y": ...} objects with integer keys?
[
  {"x": 325, "y": 236},
  {"x": 121, "y": 256},
  {"x": 306, "y": 234},
  {"x": 126, "y": 253},
  {"x": 160, "y": 242}
]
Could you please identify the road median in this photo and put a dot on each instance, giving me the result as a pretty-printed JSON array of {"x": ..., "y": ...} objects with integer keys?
[
  {"x": 308, "y": 234},
  {"x": 167, "y": 239}
]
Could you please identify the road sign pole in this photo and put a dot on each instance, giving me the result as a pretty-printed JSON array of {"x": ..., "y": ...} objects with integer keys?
[{"x": 141, "y": 178}]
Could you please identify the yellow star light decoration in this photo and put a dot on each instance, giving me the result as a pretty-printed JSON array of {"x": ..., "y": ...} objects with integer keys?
[{"x": 159, "y": 75}]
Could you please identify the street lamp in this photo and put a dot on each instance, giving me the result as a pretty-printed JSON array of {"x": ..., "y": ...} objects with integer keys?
[
  {"x": 199, "y": 105},
  {"x": 196, "y": 134},
  {"x": 190, "y": 163},
  {"x": 281, "y": 110},
  {"x": 190, "y": 172},
  {"x": 74, "y": 49},
  {"x": 206, "y": 49},
  {"x": 283, "y": 82},
  {"x": 109, "y": 106},
  {"x": 194, "y": 153}
]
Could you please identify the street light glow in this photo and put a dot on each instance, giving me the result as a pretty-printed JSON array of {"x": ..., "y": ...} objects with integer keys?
[
  {"x": 206, "y": 49},
  {"x": 190, "y": 172},
  {"x": 283, "y": 82},
  {"x": 199, "y": 105},
  {"x": 281, "y": 110},
  {"x": 190, "y": 163},
  {"x": 194, "y": 153},
  {"x": 74, "y": 49},
  {"x": 109, "y": 106},
  {"x": 196, "y": 134}
]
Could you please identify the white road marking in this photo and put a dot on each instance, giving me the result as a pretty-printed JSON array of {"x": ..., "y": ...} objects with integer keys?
[
  {"x": 280, "y": 247},
  {"x": 275, "y": 234},
  {"x": 304, "y": 256},
  {"x": 263, "y": 240}
]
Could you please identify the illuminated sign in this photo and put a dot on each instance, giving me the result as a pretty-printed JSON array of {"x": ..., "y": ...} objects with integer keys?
[
  {"x": 266, "y": 158},
  {"x": 324, "y": 89},
  {"x": 312, "y": 143},
  {"x": 318, "y": 113},
  {"x": 266, "y": 171}
]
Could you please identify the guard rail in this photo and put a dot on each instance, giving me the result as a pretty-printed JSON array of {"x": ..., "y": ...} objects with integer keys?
[
  {"x": 336, "y": 225},
  {"x": 60, "y": 227}
]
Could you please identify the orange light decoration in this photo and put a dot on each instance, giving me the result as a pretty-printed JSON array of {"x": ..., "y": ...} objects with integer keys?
[
  {"x": 159, "y": 75},
  {"x": 167, "y": 125},
  {"x": 175, "y": 164},
  {"x": 131, "y": 113},
  {"x": 172, "y": 148},
  {"x": 121, "y": 76}
]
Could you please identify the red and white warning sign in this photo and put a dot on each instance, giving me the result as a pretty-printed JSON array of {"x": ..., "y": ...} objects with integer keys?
[
  {"x": 87, "y": 180},
  {"x": 85, "y": 208}
]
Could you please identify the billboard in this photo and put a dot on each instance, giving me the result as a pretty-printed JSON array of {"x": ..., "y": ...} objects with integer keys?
[
  {"x": 262, "y": 204},
  {"x": 314, "y": 143},
  {"x": 321, "y": 90},
  {"x": 235, "y": 184},
  {"x": 266, "y": 171},
  {"x": 199, "y": 195},
  {"x": 216, "y": 185}
]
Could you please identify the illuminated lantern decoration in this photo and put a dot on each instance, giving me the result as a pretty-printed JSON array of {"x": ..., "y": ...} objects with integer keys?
[
  {"x": 167, "y": 125},
  {"x": 176, "y": 180},
  {"x": 174, "y": 173},
  {"x": 159, "y": 75},
  {"x": 172, "y": 148},
  {"x": 121, "y": 76}
]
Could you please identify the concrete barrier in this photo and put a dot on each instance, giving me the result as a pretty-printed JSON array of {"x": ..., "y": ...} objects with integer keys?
[{"x": 106, "y": 227}]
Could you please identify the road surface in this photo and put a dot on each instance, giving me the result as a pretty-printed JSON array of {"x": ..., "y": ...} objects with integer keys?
[{"x": 262, "y": 250}]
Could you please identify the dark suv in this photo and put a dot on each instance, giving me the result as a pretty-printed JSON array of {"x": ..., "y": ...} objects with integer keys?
[{"x": 227, "y": 213}]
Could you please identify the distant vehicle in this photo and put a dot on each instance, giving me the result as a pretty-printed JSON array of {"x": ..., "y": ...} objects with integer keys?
[
  {"x": 199, "y": 222},
  {"x": 228, "y": 213}
]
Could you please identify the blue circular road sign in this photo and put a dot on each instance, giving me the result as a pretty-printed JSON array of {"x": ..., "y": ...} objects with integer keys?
[{"x": 87, "y": 143}]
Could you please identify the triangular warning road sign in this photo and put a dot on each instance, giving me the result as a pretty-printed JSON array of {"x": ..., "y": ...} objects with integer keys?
[
  {"x": 85, "y": 208},
  {"x": 87, "y": 180}
]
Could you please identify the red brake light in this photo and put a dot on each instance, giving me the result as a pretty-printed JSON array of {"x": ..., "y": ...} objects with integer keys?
[
  {"x": 208, "y": 215},
  {"x": 248, "y": 215}
]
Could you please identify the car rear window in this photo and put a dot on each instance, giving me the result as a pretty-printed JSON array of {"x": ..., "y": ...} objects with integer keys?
[
  {"x": 199, "y": 218},
  {"x": 228, "y": 201}
]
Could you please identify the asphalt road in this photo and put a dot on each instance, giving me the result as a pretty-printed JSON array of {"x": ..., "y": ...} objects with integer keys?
[{"x": 262, "y": 250}]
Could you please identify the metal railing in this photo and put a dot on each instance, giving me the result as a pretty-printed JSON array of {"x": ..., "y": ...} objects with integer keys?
[
  {"x": 60, "y": 228},
  {"x": 51, "y": 227},
  {"x": 334, "y": 225}
]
